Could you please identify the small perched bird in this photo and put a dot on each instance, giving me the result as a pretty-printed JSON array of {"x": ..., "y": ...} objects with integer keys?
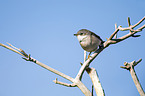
[{"x": 88, "y": 40}]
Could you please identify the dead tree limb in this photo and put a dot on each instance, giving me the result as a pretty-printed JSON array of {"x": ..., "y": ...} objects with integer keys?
[
  {"x": 77, "y": 80},
  {"x": 95, "y": 79},
  {"x": 109, "y": 42},
  {"x": 130, "y": 66}
]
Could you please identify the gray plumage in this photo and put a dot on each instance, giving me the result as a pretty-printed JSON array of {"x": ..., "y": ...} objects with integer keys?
[{"x": 88, "y": 40}]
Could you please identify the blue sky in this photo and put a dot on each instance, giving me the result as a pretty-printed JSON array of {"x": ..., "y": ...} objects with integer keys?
[{"x": 45, "y": 28}]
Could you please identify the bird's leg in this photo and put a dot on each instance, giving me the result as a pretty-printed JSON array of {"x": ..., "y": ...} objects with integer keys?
[
  {"x": 89, "y": 55},
  {"x": 101, "y": 46}
]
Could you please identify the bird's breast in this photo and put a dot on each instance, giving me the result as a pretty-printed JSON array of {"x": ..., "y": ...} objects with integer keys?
[
  {"x": 89, "y": 43},
  {"x": 81, "y": 38}
]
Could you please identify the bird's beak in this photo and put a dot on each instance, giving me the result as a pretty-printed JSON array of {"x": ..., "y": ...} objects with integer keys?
[{"x": 75, "y": 34}]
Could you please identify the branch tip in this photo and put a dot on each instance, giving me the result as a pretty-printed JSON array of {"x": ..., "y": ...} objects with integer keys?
[
  {"x": 124, "y": 67},
  {"x": 115, "y": 26},
  {"x": 131, "y": 64},
  {"x": 107, "y": 39},
  {"x": 81, "y": 63},
  {"x": 136, "y": 36},
  {"x": 64, "y": 84},
  {"x": 55, "y": 81},
  {"x": 137, "y": 62},
  {"x": 128, "y": 21}
]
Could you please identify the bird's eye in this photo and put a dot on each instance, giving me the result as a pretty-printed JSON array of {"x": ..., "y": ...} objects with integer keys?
[{"x": 81, "y": 33}]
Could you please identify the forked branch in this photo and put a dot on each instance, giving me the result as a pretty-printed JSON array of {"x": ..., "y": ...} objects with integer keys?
[
  {"x": 131, "y": 32},
  {"x": 111, "y": 41},
  {"x": 75, "y": 83},
  {"x": 130, "y": 66}
]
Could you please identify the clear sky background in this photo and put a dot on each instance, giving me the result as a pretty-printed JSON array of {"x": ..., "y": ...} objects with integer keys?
[{"x": 45, "y": 28}]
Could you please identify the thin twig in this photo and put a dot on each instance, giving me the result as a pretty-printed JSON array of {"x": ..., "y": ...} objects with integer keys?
[
  {"x": 128, "y": 28},
  {"x": 14, "y": 50},
  {"x": 129, "y": 23},
  {"x": 139, "y": 22},
  {"x": 64, "y": 84},
  {"x": 114, "y": 33},
  {"x": 115, "y": 36}
]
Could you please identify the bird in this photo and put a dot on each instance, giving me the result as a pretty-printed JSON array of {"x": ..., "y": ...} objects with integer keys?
[{"x": 88, "y": 40}]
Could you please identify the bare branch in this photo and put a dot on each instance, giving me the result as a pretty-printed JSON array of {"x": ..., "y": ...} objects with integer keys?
[
  {"x": 135, "y": 63},
  {"x": 87, "y": 63},
  {"x": 76, "y": 82},
  {"x": 141, "y": 27},
  {"x": 14, "y": 50},
  {"x": 107, "y": 43},
  {"x": 64, "y": 84},
  {"x": 95, "y": 79},
  {"x": 130, "y": 66},
  {"x": 128, "y": 28},
  {"x": 85, "y": 55},
  {"x": 96, "y": 82},
  {"x": 129, "y": 23},
  {"x": 115, "y": 36},
  {"x": 139, "y": 22},
  {"x": 28, "y": 58},
  {"x": 131, "y": 33},
  {"x": 114, "y": 33}
]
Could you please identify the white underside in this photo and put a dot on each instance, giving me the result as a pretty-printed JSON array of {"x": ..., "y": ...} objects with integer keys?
[
  {"x": 81, "y": 38},
  {"x": 87, "y": 43}
]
